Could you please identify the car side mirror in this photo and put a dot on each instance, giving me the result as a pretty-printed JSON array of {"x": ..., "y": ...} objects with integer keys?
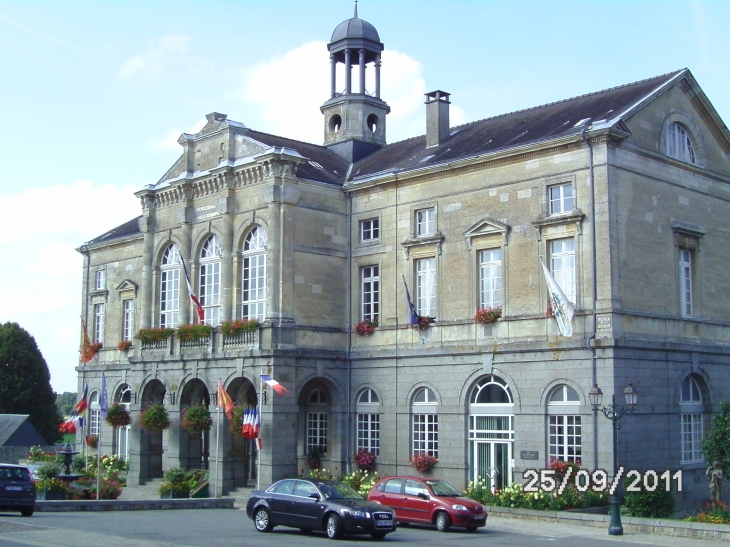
[
  {"x": 314, "y": 496},
  {"x": 423, "y": 496}
]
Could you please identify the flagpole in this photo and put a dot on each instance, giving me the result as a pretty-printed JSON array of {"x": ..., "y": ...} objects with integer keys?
[
  {"x": 98, "y": 461},
  {"x": 217, "y": 441},
  {"x": 258, "y": 452}
]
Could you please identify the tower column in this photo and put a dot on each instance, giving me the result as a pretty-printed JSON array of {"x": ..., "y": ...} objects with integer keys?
[
  {"x": 377, "y": 76},
  {"x": 348, "y": 73},
  {"x": 333, "y": 74},
  {"x": 362, "y": 71}
]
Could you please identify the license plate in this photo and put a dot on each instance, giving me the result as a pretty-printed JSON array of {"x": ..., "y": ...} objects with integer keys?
[
  {"x": 479, "y": 517},
  {"x": 17, "y": 488},
  {"x": 384, "y": 523}
]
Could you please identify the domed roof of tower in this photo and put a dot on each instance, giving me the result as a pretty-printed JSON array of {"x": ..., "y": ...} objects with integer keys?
[{"x": 355, "y": 28}]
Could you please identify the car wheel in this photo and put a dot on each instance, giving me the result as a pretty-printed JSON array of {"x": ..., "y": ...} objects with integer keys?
[
  {"x": 443, "y": 521},
  {"x": 262, "y": 520},
  {"x": 377, "y": 535},
  {"x": 334, "y": 526},
  {"x": 471, "y": 528},
  {"x": 27, "y": 512}
]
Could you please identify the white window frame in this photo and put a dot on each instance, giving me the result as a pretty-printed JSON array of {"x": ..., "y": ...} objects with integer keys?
[
  {"x": 426, "y": 222},
  {"x": 370, "y": 230},
  {"x": 316, "y": 431},
  {"x": 94, "y": 414},
  {"x": 370, "y": 292},
  {"x": 426, "y": 287},
  {"x": 561, "y": 198},
  {"x": 562, "y": 265},
  {"x": 490, "y": 278},
  {"x": 100, "y": 280},
  {"x": 99, "y": 323},
  {"x": 679, "y": 144},
  {"x": 127, "y": 319},
  {"x": 368, "y": 432},
  {"x": 691, "y": 421},
  {"x": 425, "y": 434},
  {"x": 210, "y": 280},
  {"x": 685, "y": 282},
  {"x": 170, "y": 287},
  {"x": 564, "y": 437},
  {"x": 253, "y": 278}
]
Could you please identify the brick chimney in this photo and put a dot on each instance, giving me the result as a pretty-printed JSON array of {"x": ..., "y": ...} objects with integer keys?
[{"x": 437, "y": 118}]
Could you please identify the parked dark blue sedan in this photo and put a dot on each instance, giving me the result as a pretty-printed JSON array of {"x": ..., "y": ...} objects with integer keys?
[{"x": 313, "y": 504}]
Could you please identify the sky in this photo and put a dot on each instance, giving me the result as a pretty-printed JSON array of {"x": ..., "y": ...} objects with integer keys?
[{"x": 94, "y": 94}]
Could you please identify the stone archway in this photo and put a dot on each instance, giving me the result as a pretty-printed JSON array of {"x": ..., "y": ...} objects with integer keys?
[
  {"x": 240, "y": 457},
  {"x": 150, "y": 449},
  {"x": 194, "y": 447}
]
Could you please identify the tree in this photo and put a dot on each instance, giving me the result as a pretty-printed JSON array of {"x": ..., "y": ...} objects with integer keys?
[
  {"x": 65, "y": 402},
  {"x": 716, "y": 445},
  {"x": 25, "y": 382}
]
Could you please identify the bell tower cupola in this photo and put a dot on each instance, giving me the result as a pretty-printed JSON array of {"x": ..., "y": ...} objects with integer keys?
[{"x": 354, "y": 115}]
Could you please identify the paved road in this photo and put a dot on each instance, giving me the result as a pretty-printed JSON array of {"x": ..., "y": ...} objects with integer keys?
[{"x": 231, "y": 527}]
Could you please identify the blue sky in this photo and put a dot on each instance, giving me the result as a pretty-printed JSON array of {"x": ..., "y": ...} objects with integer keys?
[{"x": 94, "y": 95}]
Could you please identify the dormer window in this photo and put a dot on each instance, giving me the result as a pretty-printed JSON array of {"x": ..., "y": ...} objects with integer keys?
[{"x": 679, "y": 145}]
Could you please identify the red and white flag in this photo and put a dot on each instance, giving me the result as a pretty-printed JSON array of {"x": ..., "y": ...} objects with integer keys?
[{"x": 193, "y": 297}]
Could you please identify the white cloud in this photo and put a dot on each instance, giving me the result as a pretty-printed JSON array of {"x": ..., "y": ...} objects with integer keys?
[
  {"x": 160, "y": 50},
  {"x": 40, "y": 282}
]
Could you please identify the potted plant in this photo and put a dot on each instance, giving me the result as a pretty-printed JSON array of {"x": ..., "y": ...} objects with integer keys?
[
  {"x": 424, "y": 322},
  {"x": 314, "y": 457},
  {"x": 239, "y": 326},
  {"x": 51, "y": 488},
  {"x": 192, "y": 333},
  {"x": 153, "y": 334},
  {"x": 176, "y": 484},
  {"x": 365, "y": 328},
  {"x": 422, "y": 461},
  {"x": 154, "y": 418},
  {"x": 365, "y": 460},
  {"x": 92, "y": 441},
  {"x": 196, "y": 418},
  {"x": 118, "y": 416},
  {"x": 124, "y": 345},
  {"x": 487, "y": 315}
]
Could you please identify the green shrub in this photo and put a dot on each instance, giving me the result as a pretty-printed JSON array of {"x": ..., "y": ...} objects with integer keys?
[
  {"x": 656, "y": 504},
  {"x": 176, "y": 474},
  {"x": 47, "y": 471}
]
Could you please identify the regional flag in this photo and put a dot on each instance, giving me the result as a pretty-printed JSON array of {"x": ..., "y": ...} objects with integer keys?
[
  {"x": 193, "y": 297},
  {"x": 87, "y": 351},
  {"x": 276, "y": 386},
  {"x": 224, "y": 401},
  {"x": 413, "y": 317},
  {"x": 563, "y": 309}
]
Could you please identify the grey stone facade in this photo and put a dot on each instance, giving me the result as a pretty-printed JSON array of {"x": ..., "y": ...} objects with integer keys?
[{"x": 637, "y": 215}]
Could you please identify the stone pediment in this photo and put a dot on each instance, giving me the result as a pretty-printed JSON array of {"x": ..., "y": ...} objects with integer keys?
[
  {"x": 486, "y": 227},
  {"x": 127, "y": 286}
]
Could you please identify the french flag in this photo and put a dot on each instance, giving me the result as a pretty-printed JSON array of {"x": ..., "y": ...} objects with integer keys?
[{"x": 276, "y": 386}]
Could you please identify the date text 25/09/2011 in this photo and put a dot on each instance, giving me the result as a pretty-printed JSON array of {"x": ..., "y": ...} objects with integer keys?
[{"x": 546, "y": 480}]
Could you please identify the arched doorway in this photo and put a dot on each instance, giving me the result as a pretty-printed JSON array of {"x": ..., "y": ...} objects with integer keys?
[
  {"x": 194, "y": 447},
  {"x": 150, "y": 442},
  {"x": 243, "y": 452},
  {"x": 121, "y": 434},
  {"x": 491, "y": 432}
]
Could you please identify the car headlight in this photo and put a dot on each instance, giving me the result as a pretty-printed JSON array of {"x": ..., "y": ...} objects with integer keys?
[
  {"x": 459, "y": 507},
  {"x": 360, "y": 514}
]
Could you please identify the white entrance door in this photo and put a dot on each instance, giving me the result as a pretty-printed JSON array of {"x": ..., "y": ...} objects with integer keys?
[{"x": 491, "y": 439}]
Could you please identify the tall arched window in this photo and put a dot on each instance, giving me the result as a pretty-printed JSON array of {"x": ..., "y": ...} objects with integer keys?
[
  {"x": 94, "y": 414},
  {"x": 317, "y": 406},
  {"x": 679, "y": 144},
  {"x": 368, "y": 421},
  {"x": 691, "y": 409},
  {"x": 253, "y": 290},
  {"x": 564, "y": 427},
  {"x": 210, "y": 280},
  {"x": 170, "y": 287},
  {"x": 425, "y": 422}
]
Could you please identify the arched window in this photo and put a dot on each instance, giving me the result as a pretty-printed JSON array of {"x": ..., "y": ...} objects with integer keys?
[
  {"x": 94, "y": 414},
  {"x": 253, "y": 290},
  {"x": 170, "y": 287},
  {"x": 679, "y": 144},
  {"x": 368, "y": 421},
  {"x": 691, "y": 410},
  {"x": 425, "y": 422},
  {"x": 564, "y": 425},
  {"x": 121, "y": 438},
  {"x": 210, "y": 280},
  {"x": 317, "y": 406},
  {"x": 491, "y": 390}
]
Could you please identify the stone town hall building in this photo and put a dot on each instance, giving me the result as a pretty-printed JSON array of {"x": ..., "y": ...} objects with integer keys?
[{"x": 624, "y": 193}]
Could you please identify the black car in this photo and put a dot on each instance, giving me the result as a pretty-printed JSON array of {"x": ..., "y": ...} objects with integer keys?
[
  {"x": 17, "y": 489},
  {"x": 313, "y": 504}
]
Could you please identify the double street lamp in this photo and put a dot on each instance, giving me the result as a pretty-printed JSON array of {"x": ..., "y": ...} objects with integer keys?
[{"x": 614, "y": 413}]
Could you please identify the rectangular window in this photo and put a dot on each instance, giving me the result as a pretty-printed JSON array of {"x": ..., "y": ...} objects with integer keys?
[
  {"x": 561, "y": 198},
  {"x": 100, "y": 280},
  {"x": 426, "y": 434},
  {"x": 169, "y": 297},
  {"x": 562, "y": 265},
  {"x": 316, "y": 431},
  {"x": 426, "y": 222},
  {"x": 370, "y": 289},
  {"x": 426, "y": 287},
  {"x": 94, "y": 421},
  {"x": 490, "y": 278},
  {"x": 254, "y": 287},
  {"x": 99, "y": 323},
  {"x": 368, "y": 433},
  {"x": 128, "y": 320},
  {"x": 685, "y": 281},
  {"x": 210, "y": 292},
  {"x": 370, "y": 229},
  {"x": 565, "y": 438},
  {"x": 691, "y": 437}
]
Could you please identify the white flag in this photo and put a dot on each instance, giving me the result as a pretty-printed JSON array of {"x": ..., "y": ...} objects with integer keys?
[{"x": 562, "y": 308}]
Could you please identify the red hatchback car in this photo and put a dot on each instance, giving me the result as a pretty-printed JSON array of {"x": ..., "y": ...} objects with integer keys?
[{"x": 428, "y": 501}]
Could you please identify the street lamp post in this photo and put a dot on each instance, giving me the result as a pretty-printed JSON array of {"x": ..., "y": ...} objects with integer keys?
[{"x": 614, "y": 413}]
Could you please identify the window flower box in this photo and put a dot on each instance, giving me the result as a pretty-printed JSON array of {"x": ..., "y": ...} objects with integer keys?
[
  {"x": 422, "y": 461},
  {"x": 124, "y": 345},
  {"x": 239, "y": 326},
  {"x": 365, "y": 328},
  {"x": 424, "y": 323},
  {"x": 487, "y": 315},
  {"x": 153, "y": 334},
  {"x": 193, "y": 333}
]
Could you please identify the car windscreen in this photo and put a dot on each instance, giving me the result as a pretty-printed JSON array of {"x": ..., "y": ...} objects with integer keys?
[
  {"x": 338, "y": 490},
  {"x": 443, "y": 488},
  {"x": 14, "y": 473}
]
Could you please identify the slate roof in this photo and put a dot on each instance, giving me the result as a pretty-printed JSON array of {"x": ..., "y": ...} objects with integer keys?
[
  {"x": 129, "y": 228},
  {"x": 19, "y": 428},
  {"x": 511, "y": 130}
]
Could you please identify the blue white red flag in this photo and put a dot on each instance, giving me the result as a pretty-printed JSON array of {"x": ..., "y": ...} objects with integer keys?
[{"x": 276, "y": 386}]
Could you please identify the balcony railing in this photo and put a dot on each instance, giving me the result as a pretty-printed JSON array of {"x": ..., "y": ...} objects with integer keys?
[
  {"x": 215, "y": 343},
  {"x": 156, "y": 345},
  {"x": 243, "y": 339}
]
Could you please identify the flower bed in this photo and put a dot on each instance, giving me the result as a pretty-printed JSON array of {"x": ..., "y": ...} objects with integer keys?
[{"x": 487, "y": 315}]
